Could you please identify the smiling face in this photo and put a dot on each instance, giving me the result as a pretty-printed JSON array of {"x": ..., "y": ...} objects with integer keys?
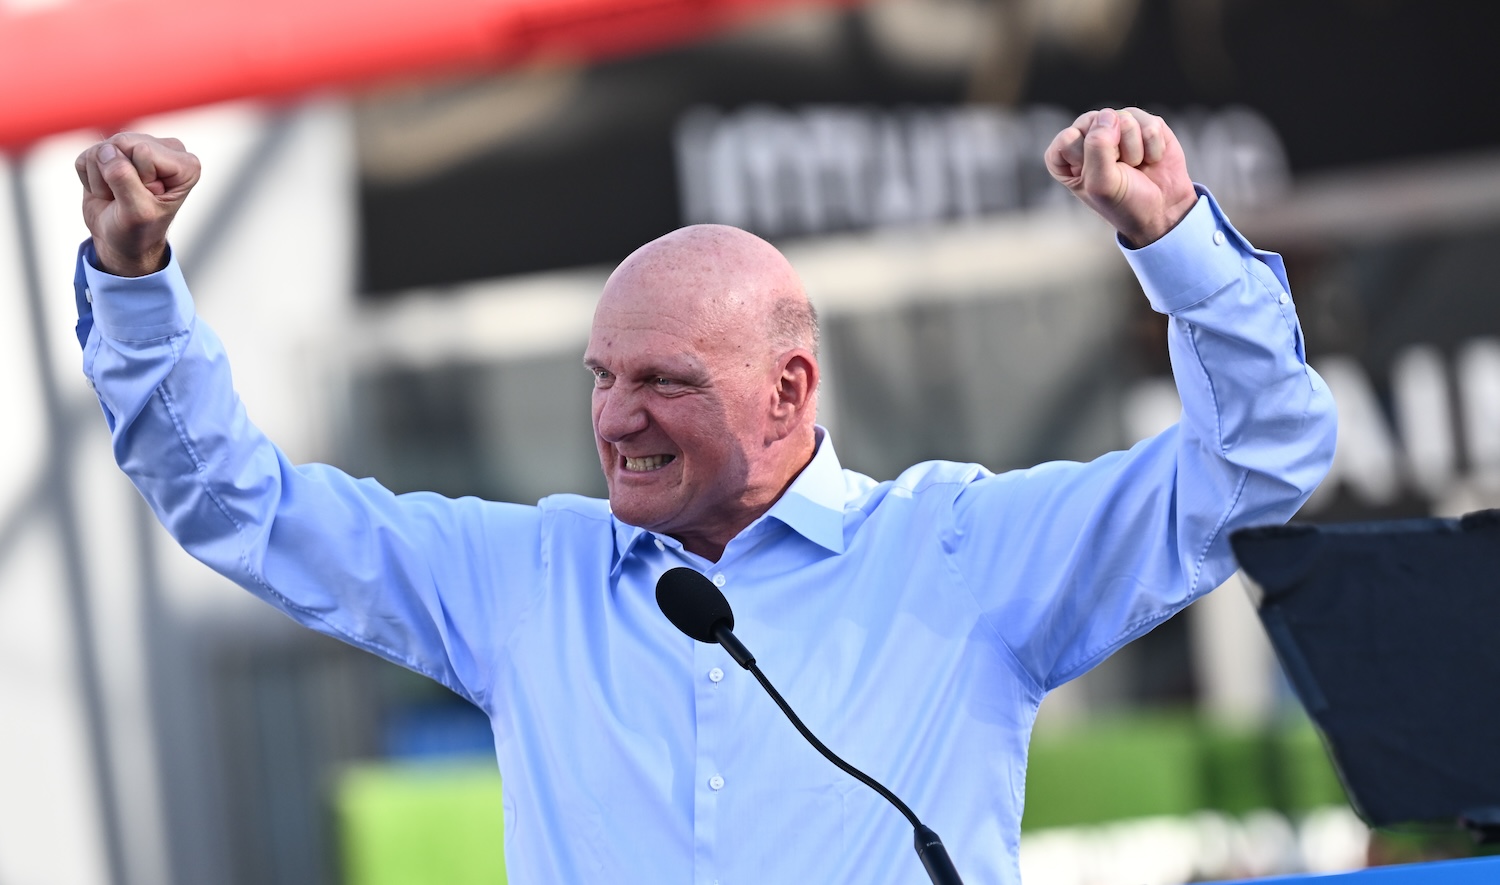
[{"x": 703, "y": 413}]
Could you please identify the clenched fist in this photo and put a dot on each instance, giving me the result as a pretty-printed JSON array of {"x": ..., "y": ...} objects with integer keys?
[
  {"x": 133, "y": 185},
  {"x": 1128, "y": 167}
]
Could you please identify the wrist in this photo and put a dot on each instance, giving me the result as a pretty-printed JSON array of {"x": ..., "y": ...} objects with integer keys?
[
  {"x": 140, "y": 264},
  {"x": 1170, "y": 217}
]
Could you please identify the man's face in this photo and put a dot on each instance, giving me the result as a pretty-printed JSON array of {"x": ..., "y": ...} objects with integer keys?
[{"x": 680, "y": 403}]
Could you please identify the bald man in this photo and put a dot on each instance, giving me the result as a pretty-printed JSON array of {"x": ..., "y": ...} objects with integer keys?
[{"x": 915, "y": 623}]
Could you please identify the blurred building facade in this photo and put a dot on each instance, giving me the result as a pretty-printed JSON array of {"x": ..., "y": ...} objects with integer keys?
[{"x": 405, "y": 280}]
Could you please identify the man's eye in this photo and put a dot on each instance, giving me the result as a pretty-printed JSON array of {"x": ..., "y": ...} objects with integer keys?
[{"x": 601, "y": 376}]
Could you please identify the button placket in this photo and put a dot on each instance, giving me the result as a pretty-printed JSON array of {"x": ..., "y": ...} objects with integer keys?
[{"x": 711, "y": 713}]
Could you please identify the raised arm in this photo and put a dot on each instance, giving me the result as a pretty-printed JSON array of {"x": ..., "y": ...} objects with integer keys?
[
  {"x": 431, "y": 583},
  {"x": 1070, "y": 561}
]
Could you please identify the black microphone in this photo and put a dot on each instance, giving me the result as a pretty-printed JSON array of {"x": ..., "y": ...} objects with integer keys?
[{"x": 696, "y": 607}]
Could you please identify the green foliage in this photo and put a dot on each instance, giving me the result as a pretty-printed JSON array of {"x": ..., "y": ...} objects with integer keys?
[
  {"x": 422, "y": 824},
  {"x": 1173, "y": 764}
]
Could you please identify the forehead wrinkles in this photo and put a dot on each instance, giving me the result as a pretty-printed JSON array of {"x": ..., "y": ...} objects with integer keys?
[
  {"x": 701, "y": 322},
  {"x": 692, "y": 310},
  {"x": 712, "y": 286}
]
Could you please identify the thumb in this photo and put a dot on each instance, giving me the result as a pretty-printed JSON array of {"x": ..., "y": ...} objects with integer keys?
[
  {"x": 1102, "y": 177},
  {"x": 124, "y": 182}
]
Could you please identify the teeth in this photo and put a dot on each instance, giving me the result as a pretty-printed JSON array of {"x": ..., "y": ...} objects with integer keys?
[{"x": 647, "y": 464}]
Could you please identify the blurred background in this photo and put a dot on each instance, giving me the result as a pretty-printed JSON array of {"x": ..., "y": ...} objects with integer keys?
[{"x": 401, "y": 244}]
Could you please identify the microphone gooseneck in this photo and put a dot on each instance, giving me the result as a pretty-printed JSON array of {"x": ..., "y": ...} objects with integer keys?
[{"x": 698, "y": 608}]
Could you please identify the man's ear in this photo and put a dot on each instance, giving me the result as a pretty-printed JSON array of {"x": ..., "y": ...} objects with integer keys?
[{"x": 794, "y": 399}]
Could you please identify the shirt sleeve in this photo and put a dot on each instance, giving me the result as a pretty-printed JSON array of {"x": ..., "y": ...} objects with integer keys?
[
  {"x": 431, "y": 583},
  {"x": 1070, "y": 561}
]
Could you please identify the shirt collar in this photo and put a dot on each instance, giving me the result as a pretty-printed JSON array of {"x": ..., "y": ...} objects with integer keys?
[
  {"x": 812, "y": 506},
  {"x": 626, "y": 537}
]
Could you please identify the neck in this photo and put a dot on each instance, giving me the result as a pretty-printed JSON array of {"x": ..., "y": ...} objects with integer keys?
[{"x": 710, "y": 544}]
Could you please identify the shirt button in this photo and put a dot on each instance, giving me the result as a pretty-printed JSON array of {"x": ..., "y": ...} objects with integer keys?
[
  {"x": 88, "y": 295},
  {"x": 1218, "y": 238},
  {"x": 715, "y": 675},
  {"x": 719, "y": 579},
  {"x": 716, "y": 783},
  {"x": 660, "y": 545},
  {"x": 1284, "y": 298}
]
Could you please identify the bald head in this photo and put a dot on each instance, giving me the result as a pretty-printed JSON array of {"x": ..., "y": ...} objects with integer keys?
[
  {"x": 705, "y": 383},
  {"x": 731, "y": 278}
]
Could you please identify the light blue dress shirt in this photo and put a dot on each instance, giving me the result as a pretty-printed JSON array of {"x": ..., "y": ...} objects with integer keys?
[{"x": 915, "y": 624}]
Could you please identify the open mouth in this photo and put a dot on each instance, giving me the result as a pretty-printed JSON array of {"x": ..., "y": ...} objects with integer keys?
[{"x": 648, "y": 463}]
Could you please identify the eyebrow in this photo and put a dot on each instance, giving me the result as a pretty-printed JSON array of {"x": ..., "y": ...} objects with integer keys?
[{"x": 692, "y": 372}]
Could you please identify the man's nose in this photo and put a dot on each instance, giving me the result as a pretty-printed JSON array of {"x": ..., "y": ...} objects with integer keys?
[{"x": 618, "y": 413}]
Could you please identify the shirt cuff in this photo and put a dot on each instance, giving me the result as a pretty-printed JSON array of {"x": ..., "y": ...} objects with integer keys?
[
  {"x": 1197, "y": 258},
  {"x": 144, "y": 308}
]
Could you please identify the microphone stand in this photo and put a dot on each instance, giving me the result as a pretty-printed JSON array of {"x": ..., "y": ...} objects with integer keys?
[{"x": 929, "y": 847}]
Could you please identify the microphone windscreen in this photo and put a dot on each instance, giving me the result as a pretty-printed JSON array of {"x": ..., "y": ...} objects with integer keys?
[{"x": 692, "y": 603}]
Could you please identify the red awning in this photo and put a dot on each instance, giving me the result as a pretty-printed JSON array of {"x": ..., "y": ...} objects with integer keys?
[{"x": 102, "y": 63}]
